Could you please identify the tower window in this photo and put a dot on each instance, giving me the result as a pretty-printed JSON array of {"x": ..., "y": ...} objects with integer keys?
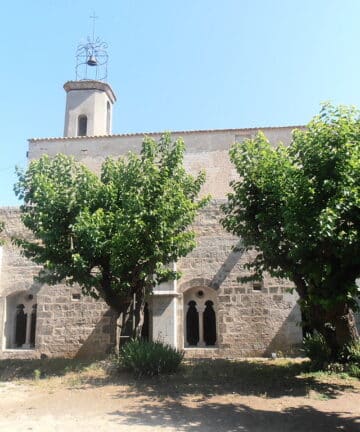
[{"x": 82, "y": 125}]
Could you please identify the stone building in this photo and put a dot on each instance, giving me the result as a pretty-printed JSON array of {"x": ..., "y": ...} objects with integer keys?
[{"x": 208, "y": 312}]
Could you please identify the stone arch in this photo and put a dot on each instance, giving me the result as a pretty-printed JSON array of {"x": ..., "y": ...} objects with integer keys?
[
  {"x": 200, "y": 306},
  {"x": 197, "y": 282},
  {"x": 20, "y": 322}
]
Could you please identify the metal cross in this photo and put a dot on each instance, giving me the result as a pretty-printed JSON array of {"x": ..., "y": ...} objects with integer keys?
[{"x": 93, "y": 17}]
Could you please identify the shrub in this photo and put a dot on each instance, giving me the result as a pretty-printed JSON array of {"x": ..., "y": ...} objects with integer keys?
[
  {"x": 145, "y": 358},
  {"x": 354, "y": 370},
  {"x": 37, "y": 374},
  {"x": 351, "y": 353},
  {"x": 316, "y": 349}
]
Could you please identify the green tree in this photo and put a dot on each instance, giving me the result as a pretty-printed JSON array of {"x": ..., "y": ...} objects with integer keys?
[
  {"x": 299, "y": 206},
  {"x": 116, "y": 235}
]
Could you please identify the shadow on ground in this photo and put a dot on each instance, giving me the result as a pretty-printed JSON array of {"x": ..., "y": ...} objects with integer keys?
[
  {"x": 266, "y": 379},
  {"x": 234, "y": 418},
  {"x": 25, "y": 369},
  {"x": 207, "y": 378}
]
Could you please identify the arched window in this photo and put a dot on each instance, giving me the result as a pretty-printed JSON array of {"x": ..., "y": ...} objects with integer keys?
[
  {"x": 209, "y": 323},
  {"x": 33, "y": 325},
  {"x": 192, "y": 324},
  {"x": 200, "y": 317},
  {"x": 82, "y": 125},
  {"x": 20, "y": 326}
]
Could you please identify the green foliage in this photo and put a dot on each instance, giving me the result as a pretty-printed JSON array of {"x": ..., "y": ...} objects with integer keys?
[
  {"x": 115, "y": 235},
  {"x": 37, "y": 374},
  {"x": 299, "y": 207},
  {"x": 351, "y": 353},
  {"x": 354, "y": 370},
  {"x": 316, "y": 349},
  {"x": 145, "y": 358}
]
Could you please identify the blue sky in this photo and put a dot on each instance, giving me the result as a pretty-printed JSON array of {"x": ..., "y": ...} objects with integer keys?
[{"x": 176, "y": 64}]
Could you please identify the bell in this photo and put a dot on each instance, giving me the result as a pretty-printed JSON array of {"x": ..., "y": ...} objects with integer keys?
[{"x": 92, "y": 61}]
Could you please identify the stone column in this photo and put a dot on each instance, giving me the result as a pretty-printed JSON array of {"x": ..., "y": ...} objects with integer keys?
[
  {"x": 200, "y": 308},
  {"x": 28, "y": 327}
]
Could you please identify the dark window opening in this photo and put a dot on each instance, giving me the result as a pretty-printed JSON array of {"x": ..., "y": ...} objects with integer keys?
[
  {"x": 20, "y": 326},
  {"x": 257, "y": 286},
  {"x": 33, "y": 325},
  {"x": 82, "y": 125},
  {"x": 209, "y": 321},
  {"x": 192, "y": 324}
]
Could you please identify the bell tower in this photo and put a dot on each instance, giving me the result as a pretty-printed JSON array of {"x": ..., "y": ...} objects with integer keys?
[{"x": 89, "y": 99}]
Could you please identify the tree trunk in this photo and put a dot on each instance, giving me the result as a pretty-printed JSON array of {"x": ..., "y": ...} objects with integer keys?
[
  {"x": 125, "y": 323},
  {"x": 130, "y": 319},
  {"x": 129, "y": 309},
  {"x": 337, "y": 325},
  {"x": 139, "y": 312}
]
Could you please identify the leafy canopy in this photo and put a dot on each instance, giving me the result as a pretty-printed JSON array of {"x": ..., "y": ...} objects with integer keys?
[
  {"x": 115, "y": 234},
  {"x": 299, "y": 206}
]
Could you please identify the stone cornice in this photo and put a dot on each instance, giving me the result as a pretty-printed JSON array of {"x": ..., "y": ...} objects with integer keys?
[{"x": 91, "y": 85}]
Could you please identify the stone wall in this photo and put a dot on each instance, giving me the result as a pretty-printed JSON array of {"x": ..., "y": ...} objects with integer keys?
[
  {"x": 66, "y": 326},
  {"x": 249, "y": 322},
  {"x": 205, "y": 150},
  {"x": 72, "y": 327}
]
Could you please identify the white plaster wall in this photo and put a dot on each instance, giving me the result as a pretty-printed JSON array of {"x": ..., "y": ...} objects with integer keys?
[
  {"x": 164, "y": 313},
  {"x": 205, "y": 150},
  {"x": 93, "y": 104}
]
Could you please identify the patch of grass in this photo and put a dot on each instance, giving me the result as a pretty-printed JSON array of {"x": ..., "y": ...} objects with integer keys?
[
  {"x": 37, "y": 374},
  {"x": 36, "y": 368},
  {"x": 199, "y": 378},
  {"x": 318, "y": 396},
  {"x": 265, "y": 378}
]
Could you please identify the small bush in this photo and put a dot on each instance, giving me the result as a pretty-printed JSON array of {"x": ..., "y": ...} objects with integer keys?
[
  {"x": 37, "y": 374},
  {"x": 351, "y": 358},
  {"x": 145, "y": 358},
  {"x": 316, "y": 349},
  {"x": 351, "y": 353},
  {"x": 354, "y": 370}
]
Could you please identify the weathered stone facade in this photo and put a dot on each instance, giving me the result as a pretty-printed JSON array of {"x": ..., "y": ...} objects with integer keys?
[
  {"x": 67, "y": 323},
  {"x": 248, "y": 322},
  {"x": 208, "y": 312}
]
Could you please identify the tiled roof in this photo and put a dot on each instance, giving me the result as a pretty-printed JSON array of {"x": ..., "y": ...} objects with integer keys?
[{"x": 141, "y": 134}]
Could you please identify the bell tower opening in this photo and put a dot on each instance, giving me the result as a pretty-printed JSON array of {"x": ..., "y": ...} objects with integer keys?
[
  {"x": 82, "y": 125},
  {"x": 89, "y": 99}
]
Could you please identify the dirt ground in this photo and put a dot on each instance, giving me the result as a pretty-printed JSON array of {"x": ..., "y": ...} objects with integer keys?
[
  {"x": 96, "y": 404},
  {"x": 120, "y": 408}
]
